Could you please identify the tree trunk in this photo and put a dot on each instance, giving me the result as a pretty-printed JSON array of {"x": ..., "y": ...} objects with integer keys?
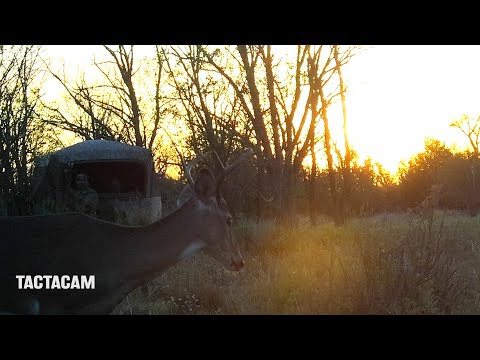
[
  {"x": 337, "y": 208},
  {"x": 312, "y": 196},
  {"x": 347, "y": 183}
]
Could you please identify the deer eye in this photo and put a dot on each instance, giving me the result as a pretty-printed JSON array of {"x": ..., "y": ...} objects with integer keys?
[{"x": 229, "y": 221}]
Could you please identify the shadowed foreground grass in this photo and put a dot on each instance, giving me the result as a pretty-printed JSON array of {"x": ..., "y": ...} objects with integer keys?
[{"x": 424, "y": 263}]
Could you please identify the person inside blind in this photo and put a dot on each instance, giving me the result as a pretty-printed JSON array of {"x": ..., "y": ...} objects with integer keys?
[{"x": 81, "y": 197}]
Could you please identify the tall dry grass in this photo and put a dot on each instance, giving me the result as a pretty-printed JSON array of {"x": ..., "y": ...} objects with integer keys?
[{"x": 424, "y": 262}]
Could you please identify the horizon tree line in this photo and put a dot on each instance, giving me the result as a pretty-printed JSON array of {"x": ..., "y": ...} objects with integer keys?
[{"x": 197, "y": 99}]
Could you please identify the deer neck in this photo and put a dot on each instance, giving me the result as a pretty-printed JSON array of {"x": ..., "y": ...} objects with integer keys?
[{"x": 166, "y": 242}]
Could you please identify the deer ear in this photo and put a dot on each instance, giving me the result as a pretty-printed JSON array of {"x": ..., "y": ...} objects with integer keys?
[{"x": 205, "y": 185}]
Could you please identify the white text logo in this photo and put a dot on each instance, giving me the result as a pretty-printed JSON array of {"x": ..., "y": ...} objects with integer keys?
[{"x": 64, "y": 282}]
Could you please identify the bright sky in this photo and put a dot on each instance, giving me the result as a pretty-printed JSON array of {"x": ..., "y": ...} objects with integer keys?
[
  {"x": 401, "y": 94},
  {"x": 398, "y": 95}
]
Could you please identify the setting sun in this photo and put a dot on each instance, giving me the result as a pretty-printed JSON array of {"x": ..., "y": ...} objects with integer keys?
[{"x": 397, "y": 95}]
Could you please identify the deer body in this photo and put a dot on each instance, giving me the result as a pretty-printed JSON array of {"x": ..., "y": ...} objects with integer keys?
[{"x": 120, "y": 257}]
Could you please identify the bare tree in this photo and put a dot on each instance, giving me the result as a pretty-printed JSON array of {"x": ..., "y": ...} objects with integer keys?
[
  {"x": 224, "y": 98},
  {"x": 204, "y": 103},
  {"x": 470, "y": 127},
  {"x": 22, "y": 134},
  {"x": 282, "y": 101},
  {"x": 347, "y": 174},
  {"x": 259, "y": 96},
  {"x": 118, "y": 105},
  {"x": 128, "y": 110},
  {"x": 84, "y": 116}
]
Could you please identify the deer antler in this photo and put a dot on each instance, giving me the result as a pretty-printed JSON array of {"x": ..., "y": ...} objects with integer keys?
[
  {"x": 227, "y": 170},
  {"x": 224, "y": 170},
  {"x": 187, "y": 168}
]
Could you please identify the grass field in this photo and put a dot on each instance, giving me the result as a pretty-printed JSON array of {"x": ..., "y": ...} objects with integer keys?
[{"x": 417, "y": 263}]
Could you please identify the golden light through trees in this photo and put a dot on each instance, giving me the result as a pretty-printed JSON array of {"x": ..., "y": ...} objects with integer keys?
[
  {"x": 396, "y": 95},
  {"x": 380, "y": 141}
]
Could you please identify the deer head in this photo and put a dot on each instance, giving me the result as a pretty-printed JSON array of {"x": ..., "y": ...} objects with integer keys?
[{"x": 213, "y": 218}]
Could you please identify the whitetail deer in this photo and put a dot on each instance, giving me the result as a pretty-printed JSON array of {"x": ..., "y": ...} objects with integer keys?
[{"x": 120, "y": 257}]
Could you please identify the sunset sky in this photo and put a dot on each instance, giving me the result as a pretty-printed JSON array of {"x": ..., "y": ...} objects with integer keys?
[
  {"x": 398, "y": 94},
  {"x": 402, "y": 94}
]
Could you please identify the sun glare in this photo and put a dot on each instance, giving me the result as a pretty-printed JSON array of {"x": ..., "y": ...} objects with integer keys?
[
  {"x": 400, "y": 95},
  {"x": 397, "y": 95}
]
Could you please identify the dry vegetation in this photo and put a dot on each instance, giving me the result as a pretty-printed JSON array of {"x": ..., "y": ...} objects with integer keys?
[{"x": 424, "y": 262}]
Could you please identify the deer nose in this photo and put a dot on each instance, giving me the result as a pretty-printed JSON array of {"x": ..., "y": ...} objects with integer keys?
[{"x": 238, "y": 264}]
